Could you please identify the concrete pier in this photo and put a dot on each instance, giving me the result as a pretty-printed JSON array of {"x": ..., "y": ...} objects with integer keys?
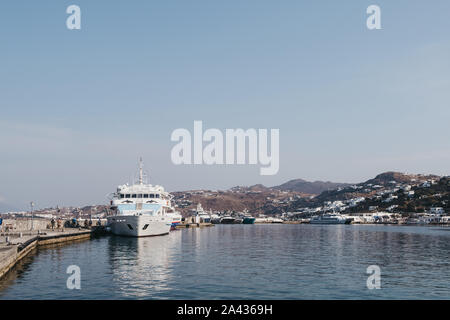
[{"x": 19, "y": 245}]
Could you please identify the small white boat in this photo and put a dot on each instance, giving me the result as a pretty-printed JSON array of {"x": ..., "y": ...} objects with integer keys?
[
  {"x": 276, "y": 220},
  {"x": 203, "y": 216},
  {"x": 330, "y": 219},
  {"x": 227, "y": 220},
  {"x": 238, "y": 220},
  {"x": 215, "y": 218},
  {"x": 175, "y": 219}
]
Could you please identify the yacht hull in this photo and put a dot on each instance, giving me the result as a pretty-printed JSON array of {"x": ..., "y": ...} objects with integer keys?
[
  {"x": 139, "y": 226},
  {"x": 227, "y": 221},
  {"x": 331, "y": 222}
]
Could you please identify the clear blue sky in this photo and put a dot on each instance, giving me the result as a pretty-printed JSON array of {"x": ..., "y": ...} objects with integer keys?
[{"x": 77, "y": 108}]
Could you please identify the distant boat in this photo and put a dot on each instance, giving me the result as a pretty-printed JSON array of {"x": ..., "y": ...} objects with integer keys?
[
  {"x": 330, "y": 219},
  {"x": 202, "y": 215},
  {"x": 227, "y": 220},
  {"x": 276, "y": 220},
  {"x": 248, "y": 220},
  {"x": 262, "y": 220},
  {"x": 215, "y": 218},
  {"x": 238, "y": 220},
  {"x": 175, "y": 219},
  {"x": 413, "y": 221}
]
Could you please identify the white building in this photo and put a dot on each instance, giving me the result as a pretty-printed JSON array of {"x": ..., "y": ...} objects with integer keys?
[{"x": 437, "y": 210}]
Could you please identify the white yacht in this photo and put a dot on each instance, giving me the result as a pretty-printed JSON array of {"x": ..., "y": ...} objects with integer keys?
[
  {"x": 175, "y": 218},
  {"x": 141, "y": 210},
  {"x": 215, "y": 218},
  {"x": 227, "y": 220},
  {"x": 201, "y": 215},
  {"x": 330, "y": 219}
]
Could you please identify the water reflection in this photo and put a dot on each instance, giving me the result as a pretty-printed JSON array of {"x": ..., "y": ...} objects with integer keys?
[
  {"x": 245, "y": 262},
  {"x": 142, "y": 267}
]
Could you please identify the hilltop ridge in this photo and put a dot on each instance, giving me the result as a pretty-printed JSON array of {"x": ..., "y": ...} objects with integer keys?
[{"x": 315, "y": 187}]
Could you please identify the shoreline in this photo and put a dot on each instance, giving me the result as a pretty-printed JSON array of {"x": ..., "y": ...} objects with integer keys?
[{"x": 20, "y": 247}]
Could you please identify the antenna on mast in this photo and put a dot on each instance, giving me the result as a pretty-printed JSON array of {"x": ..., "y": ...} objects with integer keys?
[{"x": 141, "y": 172}]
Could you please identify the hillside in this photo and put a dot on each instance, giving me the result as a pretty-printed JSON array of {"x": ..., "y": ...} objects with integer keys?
[
  {"x": 419, "y": 198},
  {"x": 237, "y": 199}
]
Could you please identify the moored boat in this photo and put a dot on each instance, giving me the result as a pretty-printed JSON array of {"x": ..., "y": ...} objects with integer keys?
[
  {"x": 202, "y": 216},
  {"x": 248, "y": 220},
  {"x": 215, "y": 218},
  {"x": 175, "y": 219},
  {"x": 330, "y": 219},
  {"x": 237, "y": 220},
  {"x": 141, "y": 210},
  {"x": 276, "y": 220},
  {"x": 227, "y": 220}
]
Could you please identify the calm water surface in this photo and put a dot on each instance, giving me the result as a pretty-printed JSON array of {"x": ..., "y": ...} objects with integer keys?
[{"x": 244, "y": 262}]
